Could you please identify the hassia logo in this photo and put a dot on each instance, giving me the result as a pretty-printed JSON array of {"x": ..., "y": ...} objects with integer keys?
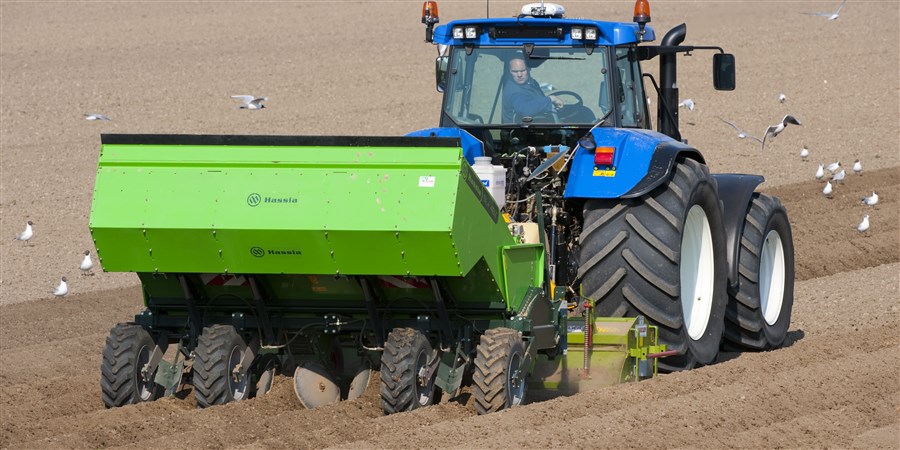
[
  {"x": 255, "y": 199},
  {"x": 259, "y": 252}
]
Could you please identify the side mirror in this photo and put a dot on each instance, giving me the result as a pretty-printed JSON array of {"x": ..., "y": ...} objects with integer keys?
[
  {"x": 723, "y": 71},
  {"x": 440, "y": 72}
]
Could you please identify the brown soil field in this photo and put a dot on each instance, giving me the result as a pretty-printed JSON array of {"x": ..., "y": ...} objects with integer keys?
[{"x": 361, "y": 68}]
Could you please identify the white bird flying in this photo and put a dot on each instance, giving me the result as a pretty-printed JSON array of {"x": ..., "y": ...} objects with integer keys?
[
  {"x": 804, "y": 153},
  {"x": 871, "y": 200},
  {"x": 86, "y": 263},
  {"x": 857, "y": 167},
  {"x": 864, "y": 225},
  {"x": 828, "y": 190},
  {"x": 833, "y": 167},
  {"x": 62, "y": 289},
  {"x": 741, "y": 133},
  {"x": 250, "y": 102},
  {"x": 782, "y": 97},
  {"x": 687, "y": 103},
  {"x": 839, "y": 176},
  {"x": 27, "y": 234},
  {"x": 820, "y": 172},
  {"x": 775, "y": 130},
  {"x": 832, "y": 15},
  {"x": 93, "y": 116}
]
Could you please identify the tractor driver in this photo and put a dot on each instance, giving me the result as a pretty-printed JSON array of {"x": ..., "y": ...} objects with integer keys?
[{"x": 522, "y": 95}]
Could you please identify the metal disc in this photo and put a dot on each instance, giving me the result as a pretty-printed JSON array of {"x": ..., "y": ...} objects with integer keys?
[
  {"x": 360, "y": 381},
  {"x": 314, "y": 386},
  {"x": 264, "y": 384}
]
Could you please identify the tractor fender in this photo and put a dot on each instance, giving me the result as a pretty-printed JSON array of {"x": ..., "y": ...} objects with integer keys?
[
  {"x": 735, "y": 191},
  {"x": 642, "y": 160}
]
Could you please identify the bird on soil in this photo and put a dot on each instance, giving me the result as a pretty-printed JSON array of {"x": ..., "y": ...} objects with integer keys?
[
  {"x": 250, "y": 102},
  {"x": 782, "y": 97},
  {"x": 86, "y": 264},
  {"x": 62, "y": 289},
  {"x": 27, "y": 234},
  {"x": 775, "y": 130},
  {"x": 864, "y": 225},
  {"x": 833, "y": 167},
  {"x": 839, "y": 176},
  {"x": 820, "y": 172},
  {"x": 871, "y": 200},
  {"x": 857, "y": 167},
  {"x": 741, "y": 134},
  {"x": 828, "y": 190},
  {"x": 804, "y": 153},
  {"x": 832, "y": 15},
  {"x": 93, "y": 116},
  {"x": 687, "y": 103}
]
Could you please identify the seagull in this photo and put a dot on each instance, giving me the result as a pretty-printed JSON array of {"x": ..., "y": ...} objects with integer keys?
[
  {"x": 93, "y": 116},
  {"x": 820, "y": 172},
  {"x": 833, "y": 167},
  {"x": 857, "y": 167},
  {"x": 871, "y": 200},
  {"x": 27, "y": 234},
  {"x": 839, "y": 176},
  {"x": 864, "y": 225},
  {"x": 828, "y": 190},
  {"x": 782, "y": 97},
  {"x": 687, "y": 103},
  {"x": 776, "y": 129},
  {"x": 741, "y": 133},
  {"x": 804, "y": 153},
  {"x": 62, "y": 289},
  {"x": 250, "y": 102},
  {"x": 830, "y": 16},
  {"x": 87, "y": 264}
]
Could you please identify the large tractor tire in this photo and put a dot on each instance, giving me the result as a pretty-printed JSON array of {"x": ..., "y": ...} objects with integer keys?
[
  {"x": 662, "y": 256},
  {"x": 406, "y": 352},
  {"x": 128, "y": 349},
  {"x": 759, "y": 312},
  {"x": 217, "y": 378},
  {"x": 499, "y": 377}
]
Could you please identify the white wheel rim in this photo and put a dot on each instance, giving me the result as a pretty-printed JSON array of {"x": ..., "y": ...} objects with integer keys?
[
  {"x": 237, "y": 383},
  {"x": 145, "y": 388},
  {"x": 697, "y": 272},
  {"x": 771, "y": 277},
  {"x": 515, "y": 385}
]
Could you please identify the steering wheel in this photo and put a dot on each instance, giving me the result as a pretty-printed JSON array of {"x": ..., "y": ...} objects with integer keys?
[{"x": 570, "y": 111}]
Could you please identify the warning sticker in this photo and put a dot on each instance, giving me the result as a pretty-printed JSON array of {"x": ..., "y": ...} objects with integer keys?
[
  {"x": 427, "y": 182},
  {"x": 604, "y": 171}
]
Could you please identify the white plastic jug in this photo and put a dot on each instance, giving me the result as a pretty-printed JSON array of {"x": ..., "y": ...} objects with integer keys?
[{"x": 493, "y": 178}]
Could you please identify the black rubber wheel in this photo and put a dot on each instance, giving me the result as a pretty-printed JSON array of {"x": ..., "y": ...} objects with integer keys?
[
  {"x": 499, "y": 377},
  {"x": 406, "y": 352},
  {"x": 759, "y": 312},
  {"x": 662, "y": 256},
  {"x": 128, "y": 348},
  {"x": 216, "y": 360}
]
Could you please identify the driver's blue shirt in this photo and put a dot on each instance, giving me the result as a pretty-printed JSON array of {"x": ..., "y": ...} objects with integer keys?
[{"x": 525, "y": 99}]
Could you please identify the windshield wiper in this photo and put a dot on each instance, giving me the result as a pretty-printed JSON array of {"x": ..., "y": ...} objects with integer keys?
[{"x": 573, "y": 58}]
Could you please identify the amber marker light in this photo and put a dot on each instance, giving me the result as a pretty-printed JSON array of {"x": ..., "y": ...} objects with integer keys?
[{"x": 429, "y": 18}]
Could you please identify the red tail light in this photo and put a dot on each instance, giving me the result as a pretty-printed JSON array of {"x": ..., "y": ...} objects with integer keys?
[{"x": 603, "y": 156}]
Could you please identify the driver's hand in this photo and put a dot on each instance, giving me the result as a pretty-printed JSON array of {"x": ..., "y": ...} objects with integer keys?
[{"x": 557, "y": 103}]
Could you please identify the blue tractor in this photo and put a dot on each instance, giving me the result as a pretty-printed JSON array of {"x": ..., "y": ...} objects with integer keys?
[{"x": 632, "y": 221}]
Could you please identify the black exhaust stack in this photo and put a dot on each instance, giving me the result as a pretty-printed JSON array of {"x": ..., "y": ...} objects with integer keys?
[{"x": 668, "y": 76}]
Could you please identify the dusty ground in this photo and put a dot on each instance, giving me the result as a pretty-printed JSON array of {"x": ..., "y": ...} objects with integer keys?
[{"x": 361, "y": 68}]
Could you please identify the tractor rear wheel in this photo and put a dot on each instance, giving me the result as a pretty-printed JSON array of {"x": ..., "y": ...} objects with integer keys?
[
  {"x": 217, "y": 375},
  {"x": 128, "y": 349},
  {"x": 406, "y": 353},
  {"x": 662, "y": 256},
  {"x": 759, "y": 312},
  {"x": 499, "y": 375}
]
